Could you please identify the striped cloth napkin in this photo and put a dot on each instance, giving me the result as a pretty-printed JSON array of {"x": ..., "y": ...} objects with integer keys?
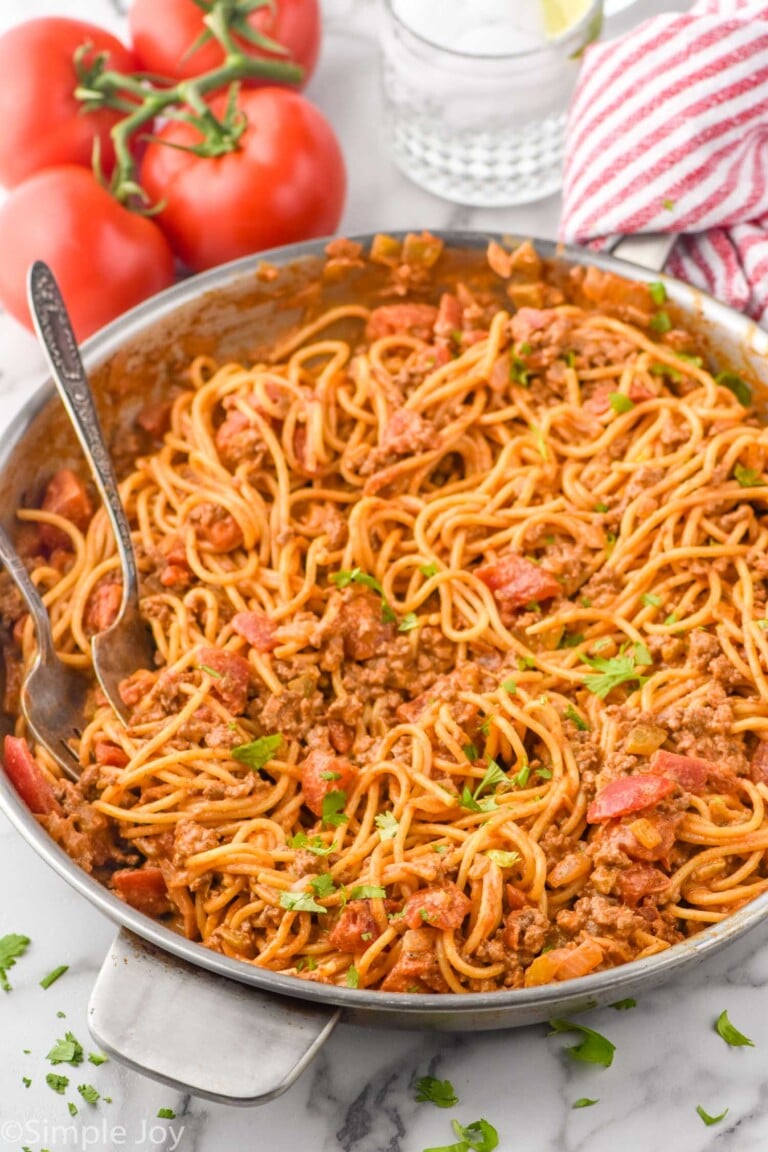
[{"x": 668, "y": 132}]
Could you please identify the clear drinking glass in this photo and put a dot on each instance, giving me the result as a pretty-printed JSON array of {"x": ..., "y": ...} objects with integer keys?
[{"x": 476, "y": 95}]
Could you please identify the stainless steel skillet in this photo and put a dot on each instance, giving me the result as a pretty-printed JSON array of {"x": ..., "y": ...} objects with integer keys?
[{"x": 173, "y": 1009}]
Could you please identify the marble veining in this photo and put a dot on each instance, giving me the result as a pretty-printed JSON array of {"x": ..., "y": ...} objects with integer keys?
[{"x": 358, "y": 1095}]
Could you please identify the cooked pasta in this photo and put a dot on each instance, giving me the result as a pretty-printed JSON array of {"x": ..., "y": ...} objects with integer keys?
[{"x": 462, "y": 660}]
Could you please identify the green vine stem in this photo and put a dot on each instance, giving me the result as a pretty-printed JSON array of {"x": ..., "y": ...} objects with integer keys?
[{"x": 143, "y": 100}]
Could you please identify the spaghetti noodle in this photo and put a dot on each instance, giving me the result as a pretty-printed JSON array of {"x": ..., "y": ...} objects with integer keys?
[{"x": 462, "y": 647}]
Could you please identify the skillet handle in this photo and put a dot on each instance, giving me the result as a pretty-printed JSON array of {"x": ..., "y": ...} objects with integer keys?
[{"x": 200, "y": 1032}]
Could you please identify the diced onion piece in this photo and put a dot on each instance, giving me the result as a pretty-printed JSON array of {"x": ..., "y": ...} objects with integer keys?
[
  {"x": 543, "y": 968},
  {"x": 579, "y": 961},
  {"x": 644, "y": 739},
  {"x": 646, "y": 832},
  {"x": 570, "y": 869}
]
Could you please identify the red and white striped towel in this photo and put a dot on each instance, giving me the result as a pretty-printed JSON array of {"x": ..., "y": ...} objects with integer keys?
[{"x": 668, "y": 132}]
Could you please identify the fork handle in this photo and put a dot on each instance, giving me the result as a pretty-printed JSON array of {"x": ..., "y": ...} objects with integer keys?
[
  {"x": 54, "y": 328},
  {"x": 17, "y": 570}
]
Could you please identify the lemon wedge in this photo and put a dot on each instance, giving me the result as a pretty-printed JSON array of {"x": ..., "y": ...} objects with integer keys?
[{"x": 560, "y": 15}]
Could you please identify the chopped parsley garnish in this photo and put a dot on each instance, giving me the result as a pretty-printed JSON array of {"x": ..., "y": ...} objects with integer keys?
[
  {"x": 518, "y": 373},
  {"x": 543, "y": 773},
  {"x": 300, "y": 902},
  {"x": 748, "y": 477},
  {"x": 333, "y": 809},
  {"x": 258, "y": 752},
  {"x": 510, "y": 686},
  {"x": 429, "y": 1090},
  {"x": 666, "y": 370},
  {"x": 388, "y": 614},
  {"x": 367, "y": 892},
  {"x": 601, "y": 507},
  {"x": 584, "y": 1102},
  {"x": 620, "y": 402},
  {"x": 502, "y": 858},
  {"x": 470, "y": 752},
  {"x": 166, "y": 1114},
  {"x": 26, "y": 1081},
  {"x": 610, "y": 672},
  {"x": 387, "y": 824},
  {"x": 493, "y": 777},
  {"x": 570, "y": 358},
  {"x": 408, "y": 622},
  {"x": 312, "y": 844},
  {"x": 66, "y": 1051},
  {"x": 710, "y": 1120},
  {"x": 660, "y": 322},
  {"x": 53, "y": 976},
  {"x": 658, "y": 292},
  {"x": 57, "y": 1083},
  {"x": 625, "y": 1004},
  {"x": 541, "y": 443},
  {"x": 428, "y": 570},
  {"x": 352, "y": 979},
  {"x": 593, "y": 1049},
  {"x": 524, "y": 662},
  {"x": 11, "y": 948},
  {"x": 88, "y": 1093},
  {"x": 349, "y": 576},
  {"x": 734, "y": 383},
  {"x": 520, "y": 779},
  {"x": 572, "y": 715},
  {"x": 571, "y": 640},
  {"x": 307, "y": 963},
  {"x": 72, "y": 1108},
  {"x": 322, "y": 885},
  {"x": 330, "y": 775},
  {"x": 731, "y": 1035},
  {"x": 97, "y": 1058},
  {"x": 651, "y": 600},
  {"x": 210, "y": 671},
  {"x": 585, "y": 601}
]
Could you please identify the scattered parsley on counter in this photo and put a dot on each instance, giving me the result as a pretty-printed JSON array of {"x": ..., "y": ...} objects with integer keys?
[
  {"x": 624, "y": 1005},
  {"x": 479, "y": 1136},
  {"x": 97, "y": 1058},
  {"x": 66, "y": 1051},
  {"x": 26, "y": 1081},
  {"x": 258, "y": 752},
  {"x": 88, "y": 1093},
  {"x": 166, "y": 1114},
  {"x": 57, "y": 1083},
  {"x": 593, "y": 1049},
  {"x": 731, "y": 1035},
  {"x": 429, "y": 1090},
  {"x": 710, "y": 1120},
  {"x": 11, "y": 948},
  {"x": 584, "y": 1102},
  {"x": 53, "y": 976},
  {"x": 72, "y": 1108}
]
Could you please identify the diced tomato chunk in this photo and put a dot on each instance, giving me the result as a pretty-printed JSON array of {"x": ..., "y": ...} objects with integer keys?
[
  {"x": 689, "y": 772},
  {"x": 103, "y": 606},
  {"x": 450, "y": 316},
  {"x": 257, "y": 629},
  {"x": 401, "y": 319},
  {"x": 417, "y": 968},
  {"x": 217, "y": 528},
  {"x": 136, "y": 686},
  {"x": 67, "y": 496},
  {"x": 640, "y": 880},
  {"x": 233, "y": 675},
  {"x": 638, "y": 392},
  {"x": 515, "y": 581},
  {"x": 143, "y": 888},
  {"x": 321, "y": 773},
  {"x": 364, "y": 632},
  {"x": 341, "y": 736},
  {"x": 155, "y": 418},
  {"x": 356, "y": 921},
  {"x": 759, "y": 763},
  {"x": 628, "y": 794},
  {"x": 441, "y": 908},
  {"x": 105, "y": 752},
  {"x": 27, "y": 777}
]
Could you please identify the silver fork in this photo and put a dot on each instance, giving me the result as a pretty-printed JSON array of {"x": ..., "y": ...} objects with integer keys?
[
  {"x": 127, "y": 644},
  {"x": 53, "y": 694}
]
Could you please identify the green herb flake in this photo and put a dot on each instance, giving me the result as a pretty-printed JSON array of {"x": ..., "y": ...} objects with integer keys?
[
  {"x": 428, "y": 570},
  {"x": 510, "y": 686},
  {"x": 610, "y": 672},
  {"x": 625, "y": 1004},
  {"x": 312, "y": 844},
  {"x": 57, "y": 1083},
  {"x": 388, "y": 825},
  {"x": 408, "y": 622},
  {"x": 72, "y": 1108},
  {"x": 352, "y": 979},
  {"x": 259, "y": 752},
  {"x": 53, "y": 976},
  {"x": 470, "y": 751},
  {"x": 584, "y": 1102},
  {"x": 442, "y": 1093},
  {"x": 26, "y": 1081},
  {"x": 12, "y": 947},
  {"x": 367, "y": 892},
  {"x": 731, "y": 1035},
  {"x": 520, "y": 779},
  {"x": 388, "y": 614},
  {"x": 210, "y": 671},
  {"x": 572, "y": 715},
  {"x": 330, "y": 775},
  {"x": 660, "y": 322},
  {"x": 710, "y": 1120},
  {"x": 61, "y": 1015},
  {"x": 479, "y": 1136},
  {"x": 734, "y": 383},
  {"x": 569, "y": 358},
  {"x": 300, "y": 902},
  {"x": 666, "y": 370},
  {"x": 571, "y": 640},
  {"x": 543, "y": 773},
  {"x": 593, "y": 1049},
  {"x": 307, "y": 963},
  {"x": 585, "y": 601},
  {"x": 518, "y": 373},
  {"x": 97, "y": 1058},
  {"x": 748, "y": 477},
  {"x": 651, "y": 600},
  {"x": 620, "y": 402},
  {"x": 322, "y": 885},
  {"x": 601, "y": 507},
  {"x": 88, "y": 1093},
  {"x": 658, "y": 292},
  {"x": 502, "y": 858},
  {"x": 349, "y": 576},
  {"x": 333, "y": 809},
  {"x": 493, "y": 777},
  {"x": 66, "y": 1051}
]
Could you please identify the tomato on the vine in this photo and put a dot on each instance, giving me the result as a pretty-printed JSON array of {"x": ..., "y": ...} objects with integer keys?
[
  {"x": 164, "y": 31},
  {"x": 105, "y": 258},
  {"x": 284, "y": 182},
  {"x": 43, "y": 123}
]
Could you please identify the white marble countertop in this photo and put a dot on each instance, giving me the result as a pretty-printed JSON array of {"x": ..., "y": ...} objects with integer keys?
[{"x": 358, "y": 1095}]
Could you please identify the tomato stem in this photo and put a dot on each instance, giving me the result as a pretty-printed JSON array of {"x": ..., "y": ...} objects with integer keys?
[{"x": 144, "y": 100}]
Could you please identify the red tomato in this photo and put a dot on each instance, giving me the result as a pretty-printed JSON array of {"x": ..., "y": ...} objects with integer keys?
[
  {"x": 516, "y": 581},
  {"x": 105, "y": 258},
  {"x": 441, "y": 908},
  {"x": 27, "y": 777},
  {"x": 285, "y": 182},
  {"x": 163, "y": 31},
  {"x": 142, "y": 888},
  {"x": 321, "y": 773},
  {"x": 43, "y": 123},
  {"x": 690, "y": 772},
  {"x": 628, "y": 794}
]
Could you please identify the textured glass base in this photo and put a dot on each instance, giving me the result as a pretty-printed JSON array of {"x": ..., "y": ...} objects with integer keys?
[{"x": 488, "y": 169}]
